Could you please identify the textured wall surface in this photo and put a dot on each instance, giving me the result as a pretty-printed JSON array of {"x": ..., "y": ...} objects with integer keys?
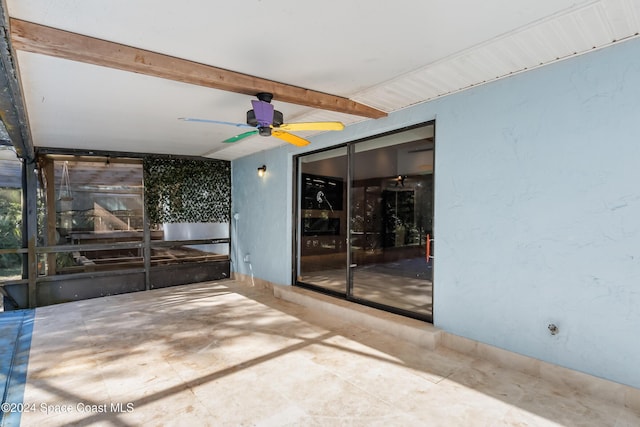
[
  {"x": 262, "y": 229},
  {"x": 537, "y": 211}
]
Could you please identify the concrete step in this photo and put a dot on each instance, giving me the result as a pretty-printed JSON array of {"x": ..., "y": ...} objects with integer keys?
[{"x": 415, "y": 331}]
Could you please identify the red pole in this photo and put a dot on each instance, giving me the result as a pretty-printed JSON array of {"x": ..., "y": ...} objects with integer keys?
[{"x": 428, "y": 249}]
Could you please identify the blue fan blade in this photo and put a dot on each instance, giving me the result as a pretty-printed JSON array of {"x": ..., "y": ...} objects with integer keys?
[{"x": 240, "y": 125}]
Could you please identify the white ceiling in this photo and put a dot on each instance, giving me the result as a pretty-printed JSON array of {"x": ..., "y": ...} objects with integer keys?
[{"x": 388, "y": 55}]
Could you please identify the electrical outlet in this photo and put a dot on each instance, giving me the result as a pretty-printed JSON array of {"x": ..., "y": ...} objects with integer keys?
[{"x": 247, "y": 258}]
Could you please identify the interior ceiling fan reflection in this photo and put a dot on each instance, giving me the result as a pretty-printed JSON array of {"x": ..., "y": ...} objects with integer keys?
[{"x": 267, "y": 121}]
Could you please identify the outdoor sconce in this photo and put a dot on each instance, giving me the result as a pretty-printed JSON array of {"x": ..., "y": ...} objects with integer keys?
[{"x": 262, "y": 170}]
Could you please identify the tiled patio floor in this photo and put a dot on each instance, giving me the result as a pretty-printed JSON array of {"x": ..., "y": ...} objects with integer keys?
[{"x": 227, "y": 354}]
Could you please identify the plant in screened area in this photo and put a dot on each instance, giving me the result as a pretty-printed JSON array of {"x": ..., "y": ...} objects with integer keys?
[
  {"x": 10, "y": 236},
  {"x": 64, "y": 259}
]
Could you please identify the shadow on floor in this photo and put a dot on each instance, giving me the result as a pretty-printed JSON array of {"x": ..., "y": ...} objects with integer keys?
[{"x": 236, "y": 355}]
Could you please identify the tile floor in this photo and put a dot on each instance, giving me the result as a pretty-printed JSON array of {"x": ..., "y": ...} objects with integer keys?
[
  {"x": 228, "y": 354},
  {"x": 407, "y": 293}
]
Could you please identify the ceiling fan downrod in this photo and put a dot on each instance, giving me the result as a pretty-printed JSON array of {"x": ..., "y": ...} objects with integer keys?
[{"x": 265, "y": 96}]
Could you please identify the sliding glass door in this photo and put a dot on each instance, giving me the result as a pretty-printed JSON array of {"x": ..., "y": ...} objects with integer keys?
[
  {"x": 391, "y": 217},
  {"x": 366, "y": 221},
  {"x": 322, "y": 219}
]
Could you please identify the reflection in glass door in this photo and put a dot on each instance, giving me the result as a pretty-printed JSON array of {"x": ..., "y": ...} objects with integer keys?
[
  {"x": 378, "y": 193},
  {"x": 322, "y": 231},
  {"x": 391, "y": 217}
]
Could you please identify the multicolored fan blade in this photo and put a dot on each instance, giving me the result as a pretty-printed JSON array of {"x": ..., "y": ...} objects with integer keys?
[
  {"x": 289, "y": 137},
  {"x": 293, "y": 127},
  {"x": 264, "y": 113},
  {"x": 240, "y": 125},
  {"x": 241, "y": 136}
]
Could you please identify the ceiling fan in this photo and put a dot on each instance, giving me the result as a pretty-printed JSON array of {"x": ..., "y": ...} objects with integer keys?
[{"x": 267, "y": 121}]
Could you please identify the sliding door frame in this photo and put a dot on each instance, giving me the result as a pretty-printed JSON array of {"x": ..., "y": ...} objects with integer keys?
[{"x": 296, "y": 211}]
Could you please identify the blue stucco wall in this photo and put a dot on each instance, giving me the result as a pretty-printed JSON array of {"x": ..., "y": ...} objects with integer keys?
[
  {"x": 538, "y": 213},
  {"x": 264, "y": 208},
  {"x": 537, "y": 210}
]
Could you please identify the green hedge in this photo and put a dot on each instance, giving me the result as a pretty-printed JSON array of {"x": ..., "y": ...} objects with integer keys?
[{"x": 184, "y": 190}]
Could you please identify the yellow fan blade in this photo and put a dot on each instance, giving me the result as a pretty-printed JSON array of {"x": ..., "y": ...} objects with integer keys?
[
  {"x": 290, "y": 138},
  {"x": 295, "y": 127}
]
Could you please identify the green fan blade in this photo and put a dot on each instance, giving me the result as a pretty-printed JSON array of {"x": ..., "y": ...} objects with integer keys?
[{"x": 241, "y": 136}]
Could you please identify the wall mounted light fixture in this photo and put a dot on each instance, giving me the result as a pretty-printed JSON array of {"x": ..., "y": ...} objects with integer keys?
[{"x": 262, "y": 170}]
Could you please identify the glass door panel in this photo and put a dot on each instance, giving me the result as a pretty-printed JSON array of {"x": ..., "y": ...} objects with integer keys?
[
  {"x": 391, "y": 217},
  {"x": 365, "y": 221},
  {"x": 322, "y": 228}
]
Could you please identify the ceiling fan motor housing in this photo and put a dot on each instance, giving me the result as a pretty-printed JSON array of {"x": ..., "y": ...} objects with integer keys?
[
  {"x": 264, "y": 131},
  {"x": 278, "y": 119}
]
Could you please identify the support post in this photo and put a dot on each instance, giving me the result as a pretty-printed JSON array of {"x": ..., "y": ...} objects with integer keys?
[
  {"x": 51, "y": 214},
  {"x": 146, "y": 245},
  {"x": 12, "y": 110},
  {"x": 30, "y": 216}
]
